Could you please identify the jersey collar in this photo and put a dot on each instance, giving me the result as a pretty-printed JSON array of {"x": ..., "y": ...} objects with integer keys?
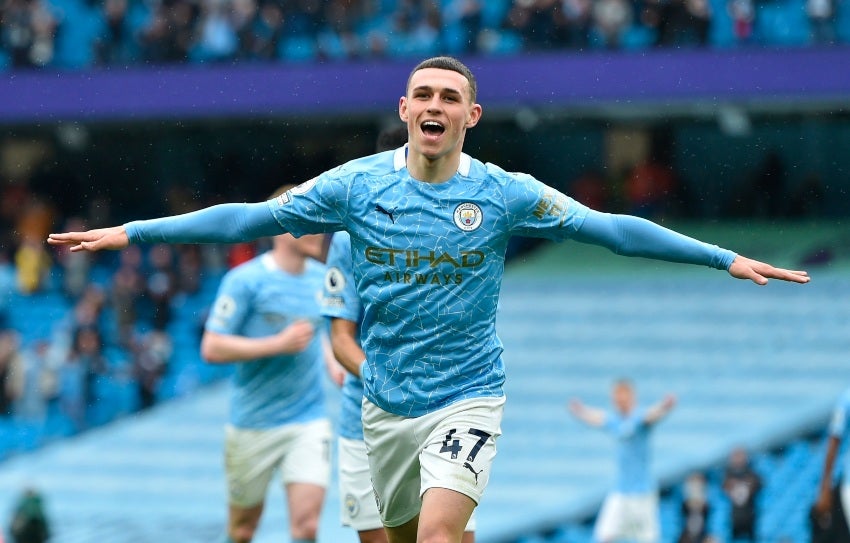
[{"x": 400, "y": 161}]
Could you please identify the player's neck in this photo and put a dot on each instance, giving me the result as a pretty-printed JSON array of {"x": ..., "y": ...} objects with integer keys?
[
  {"x": 438, "y": 170},
  {"x": 289, "y": 261}
]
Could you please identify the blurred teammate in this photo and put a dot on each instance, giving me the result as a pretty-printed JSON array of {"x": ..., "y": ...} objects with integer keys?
[
  {"x": 824, "y": 505},
  {"x": 630, "y": 511},
  {"x": 429, "y": 227},
  {"x": 265, "y": 320},
  {"x": 342, "y": 305}
]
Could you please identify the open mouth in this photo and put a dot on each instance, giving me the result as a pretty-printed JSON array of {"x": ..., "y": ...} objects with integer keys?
[{"x": 432, "y": 128}]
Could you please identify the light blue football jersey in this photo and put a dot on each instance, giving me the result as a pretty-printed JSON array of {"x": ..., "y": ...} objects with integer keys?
[
  {"x": 340, "y": 300},
  {"x": 631, "y": 433},
  {"x": 428, "y": 260},
  {"x": 258, "y": 299},
  {"x": 838, "y": 427}
]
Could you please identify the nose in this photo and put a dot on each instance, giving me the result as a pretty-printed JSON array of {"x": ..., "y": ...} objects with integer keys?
[{"x": 435, "y": 104}]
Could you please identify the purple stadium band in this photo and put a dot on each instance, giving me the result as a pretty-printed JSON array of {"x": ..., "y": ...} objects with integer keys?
[{"x": 544, "y": 80}]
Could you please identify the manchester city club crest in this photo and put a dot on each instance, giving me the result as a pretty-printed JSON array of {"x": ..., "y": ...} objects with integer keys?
[
  {"x": 468, "y": 216},
  {"x": 352, "y": 505}
]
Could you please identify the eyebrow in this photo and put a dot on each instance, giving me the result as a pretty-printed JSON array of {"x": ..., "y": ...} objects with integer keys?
[{"x": 447, "y": 90}]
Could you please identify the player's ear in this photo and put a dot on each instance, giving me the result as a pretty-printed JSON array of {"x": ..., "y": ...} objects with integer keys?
[
  {"x": 402, "y": 109},
  {"x": 474, "y": 115}
]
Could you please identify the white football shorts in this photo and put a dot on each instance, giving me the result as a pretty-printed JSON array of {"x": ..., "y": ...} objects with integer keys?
[
  {"x": 300, "y": 451},
  {"x": 451, "y": 448},
  {"x": 630, "y": 517}
]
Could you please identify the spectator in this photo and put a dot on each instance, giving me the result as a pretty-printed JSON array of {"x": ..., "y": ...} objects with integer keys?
[
  {"x": 8, "y": 284},
  {"x": 821, "y": 15},
  {"x": 258, "y": 29},
  {"x": 695, "y": 510},
  {"x": 743, "y": 14},
  {"x": 116, "y": 43},
  {"x": 742, "y": 484},
  {"x": 33, "y": 266},
  {"x": 29, "y": 520},
  {"x": 216, "y": 39},
  {"x": 77, "y": 376},
  {"x": 28, "y": 33},
  {"x": 151, "y": 355},
  {"x": 128, "y": 285},
  {"x": 31, "y": 259},
  {"x": 467, "y": 15},
  {"x": 37, "y": 383},
  {"x": 188, "y": 269},
  {"x": 611, "y": 18},
  {"x": 11, "y": 366},
  {"x": 75, "y": 268},
  {"x": 579, "y": 18},
  {"x": 161, "y": 284},
  {"x": 684, "y": 22},
  {"x": 170, "y": 33},
  {"x": 541, "y": 23},
  {"x": 339, "y": 38}
]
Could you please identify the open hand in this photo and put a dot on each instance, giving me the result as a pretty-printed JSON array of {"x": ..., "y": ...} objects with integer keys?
[
  {"x": 113, "y": 238},
  {"x": 759, "y": 272}
]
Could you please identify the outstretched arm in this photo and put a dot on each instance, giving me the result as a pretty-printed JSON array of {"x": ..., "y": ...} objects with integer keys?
[
  {"x": 660, "y": 410},
  {"x": 224, "y": 223},
  {"x": 632, "y": 236},
  {"x": 591, "y": 416}
]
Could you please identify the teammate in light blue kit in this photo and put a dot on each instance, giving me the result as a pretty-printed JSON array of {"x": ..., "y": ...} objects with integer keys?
[
  {"x": 429, "y": 226},
  {"x": 266, "y": 319},
  {"x": 838, "y": 427},
  {"x": 630, "y": 511}
]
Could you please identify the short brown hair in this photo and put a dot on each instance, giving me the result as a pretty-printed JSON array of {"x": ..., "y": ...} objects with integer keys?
[
  {"x": 448, "y": 63},
  {"x": 281, "y": 189}
]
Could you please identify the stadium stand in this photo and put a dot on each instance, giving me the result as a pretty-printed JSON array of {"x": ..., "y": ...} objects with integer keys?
[
  {"x": 77, "y": 34},
  {"x": 753, "y": 367}
]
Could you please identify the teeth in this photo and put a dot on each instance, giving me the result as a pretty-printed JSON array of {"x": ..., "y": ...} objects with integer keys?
[{"x": 432, "y": 123}]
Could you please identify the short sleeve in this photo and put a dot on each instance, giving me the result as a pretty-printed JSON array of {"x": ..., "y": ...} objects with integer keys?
[
  {"x": 231, "y": 306},
  {"x": 340, "y": 297}
]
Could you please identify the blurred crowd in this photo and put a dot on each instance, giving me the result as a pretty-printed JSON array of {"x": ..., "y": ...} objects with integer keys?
[
  {"x": 108, "y": 341},
  {"x": 86, "y": 33}
]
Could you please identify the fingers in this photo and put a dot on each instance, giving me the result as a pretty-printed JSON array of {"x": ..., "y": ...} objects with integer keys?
[
  {"x": 760, "y": 272},
  {"x": 91, "y": 240},
  {"x": 67, "y": 238}
]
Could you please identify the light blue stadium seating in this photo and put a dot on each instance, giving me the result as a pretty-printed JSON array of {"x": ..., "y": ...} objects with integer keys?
[{"x": 756, "y": 367}]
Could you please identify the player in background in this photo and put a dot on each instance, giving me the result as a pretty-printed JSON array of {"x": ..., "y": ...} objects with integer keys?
[
  {"x": 824, "y": 505},
  {"x": 630, "y": 510},
  {"x": 266, "y": 320},
  {"x": 429, "y": 228},
  {"x": 342, "y": 305}
]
